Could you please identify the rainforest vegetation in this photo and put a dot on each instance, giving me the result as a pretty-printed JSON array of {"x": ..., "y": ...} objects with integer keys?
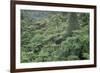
[{"x": 54, "y": 36}]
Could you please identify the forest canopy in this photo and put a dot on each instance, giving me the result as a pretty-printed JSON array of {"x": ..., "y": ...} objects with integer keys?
[{"x": 54, "y": 36}]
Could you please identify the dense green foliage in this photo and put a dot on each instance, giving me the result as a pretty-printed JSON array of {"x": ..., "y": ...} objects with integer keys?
[{"x": 54, "y": 36}]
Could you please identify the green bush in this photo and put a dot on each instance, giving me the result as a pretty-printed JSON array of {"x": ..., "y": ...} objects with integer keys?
[{"x": 54, "y": 36}]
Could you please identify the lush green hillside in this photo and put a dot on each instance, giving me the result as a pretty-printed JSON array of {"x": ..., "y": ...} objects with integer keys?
[{"x": 54, "y": 36}]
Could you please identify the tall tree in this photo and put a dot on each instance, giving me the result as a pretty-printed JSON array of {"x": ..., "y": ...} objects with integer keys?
[{"x": 73, "y": 22}]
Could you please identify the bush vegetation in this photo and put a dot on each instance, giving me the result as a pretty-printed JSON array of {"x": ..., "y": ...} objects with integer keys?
[{"x": 54, "y": 36}]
